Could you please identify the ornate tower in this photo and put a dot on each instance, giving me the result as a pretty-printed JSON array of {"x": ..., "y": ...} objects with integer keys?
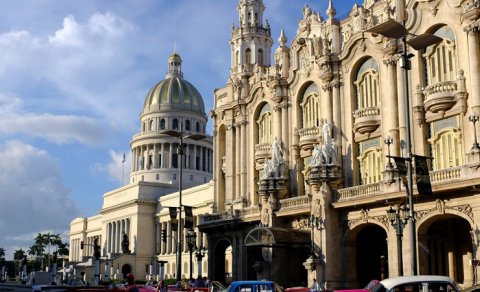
[{"x": 251, "y": 42}]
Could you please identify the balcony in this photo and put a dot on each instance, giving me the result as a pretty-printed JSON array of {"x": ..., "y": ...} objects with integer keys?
[
  {"x": 440, "y": 97},
  {"x": 308, "y": 137},
  {"x": 367, "y": 119},
  {"x": 262, "y": 151}
]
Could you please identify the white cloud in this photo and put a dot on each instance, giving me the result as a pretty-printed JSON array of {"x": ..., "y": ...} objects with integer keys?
[
  {"x": 115, "y": 168},
  {"x": 34, "y": 197},
  {"x": 58, "y": 129}
]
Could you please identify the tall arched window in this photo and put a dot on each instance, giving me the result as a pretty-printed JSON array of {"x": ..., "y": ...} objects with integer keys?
[
  {"x": 175, "y": 124},
  {"x": 187, "y": 125},
  {"x": 366, "y": 83},
  {"x": 370, "y": 161},
  {"x": 162, "y": 124},
  {"x": 310, "y": 107},
  {"x": 197, "y": 127},
  {"x": 264, "y": 123},
  {"x": 441, "y": 58},
  {"x": 248, "y": 56},
  {"x": 151, "y": 125},
  {"x": 446, "y": 143},
  {"x": 260, "y": 57}
]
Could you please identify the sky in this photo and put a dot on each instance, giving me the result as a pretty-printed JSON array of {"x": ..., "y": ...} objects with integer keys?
[{"x": 73, "y": 79}]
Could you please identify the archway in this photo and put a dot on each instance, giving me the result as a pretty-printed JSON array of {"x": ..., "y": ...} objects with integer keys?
[
  {"x": 126, "y": 268},
  {"x": 371, "y": 254},
  {"x": 445, "y": 248},
  {"x": 220, "y": 258}
]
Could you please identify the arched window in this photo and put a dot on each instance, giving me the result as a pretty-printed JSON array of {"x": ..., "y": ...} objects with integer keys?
[
  {"x": 366, "y": 83},
  {"x": 151, "y": 125},
  {"x": 162, "y": 124},
  {"x": 310, "y": 107},
  {"x": 248, "y": 56},
  {"x": 446, "y": 143},
  {"x": 260, "y": 57},
  {"x": 197, "y": 127},
  {"x": 175, "y": 124},
  {"x": 143, "y": 127},
  {"x": 441, "y": 58},
  {"x": 264, "y": 124},
  {"x": 370, "y": 161},
  {"x": 187, "y": 125}
]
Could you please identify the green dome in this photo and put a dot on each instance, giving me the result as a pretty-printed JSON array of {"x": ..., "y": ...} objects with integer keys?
[{"x": 174, "y": 93}]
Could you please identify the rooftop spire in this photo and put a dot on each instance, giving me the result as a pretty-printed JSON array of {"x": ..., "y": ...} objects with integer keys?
[
  {"x": 282, "y": 40},
  {"x": 331, "y": 12}
]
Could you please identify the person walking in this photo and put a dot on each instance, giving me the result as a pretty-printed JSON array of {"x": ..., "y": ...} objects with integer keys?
[{"x": 131, "y": 283}]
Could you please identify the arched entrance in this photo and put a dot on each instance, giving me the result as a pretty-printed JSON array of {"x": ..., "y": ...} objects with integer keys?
[
  {"x": 268, "y": 246},
  {"x": 126, "y": 268},
  {"x": 372, "y": 254},
  {"x": 220, "y": 259},
  {"x": 366, "y": 255},
  {"x": 445, "y": 248}
]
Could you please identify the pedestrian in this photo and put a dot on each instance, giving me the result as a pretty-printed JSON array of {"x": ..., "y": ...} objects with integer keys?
[
  {"x": 206, "y": 281},
  {"x": 131, "y": 287},
  {"x": 199, "y": 283},
  {"x": 315, "y": 286},
  {"x": 161, "y": 286}
]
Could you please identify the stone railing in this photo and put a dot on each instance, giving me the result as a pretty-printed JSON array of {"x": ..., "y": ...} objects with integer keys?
[
  {"x": 366, "y": 112},
  {"x": 358, "y": 192},
  {"x": 295, "y": 202},
  {"x": 263, "y": 147},
  {"x": 312, "y": 131},
  {"x": 442, "y": 175},
  {"x": 442, "y": 87}
]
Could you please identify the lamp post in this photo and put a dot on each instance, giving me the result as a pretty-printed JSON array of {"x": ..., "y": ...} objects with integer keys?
[
  {"x": 191, "y": 241},
  {"x": 200, "y": 253},
  {"x": 315, "y": 223},
  {"x": 389, "y": 141},
  {"x": 474, "y": 119},
  {"x": 179, "y": 235},
  {"x": 395, "y": 30},
  {"x": 398, "y": 218}
]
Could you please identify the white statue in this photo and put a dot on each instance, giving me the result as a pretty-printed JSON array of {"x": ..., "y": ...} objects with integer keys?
[
  {"x": 268, "y": 169},
  {"x": 317, "y": 156},
  {"x": 277, "y": 158}
]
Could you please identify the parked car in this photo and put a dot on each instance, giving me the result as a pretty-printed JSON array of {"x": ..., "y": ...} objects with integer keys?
[
  {"x": 254, "y": 286},
  {"x": 417, "y": 284}
]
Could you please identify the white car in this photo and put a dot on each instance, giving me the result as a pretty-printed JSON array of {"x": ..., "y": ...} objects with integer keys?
[{"x": 421, "y": 283}]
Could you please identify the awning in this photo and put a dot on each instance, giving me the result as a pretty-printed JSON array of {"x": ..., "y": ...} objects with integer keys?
[{"x": 276, "y": 237}]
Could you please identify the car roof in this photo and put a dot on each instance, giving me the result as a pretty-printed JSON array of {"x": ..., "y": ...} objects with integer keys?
[
  {"x": 251, "y": 282},
  {"x": 392, "y": 282}
]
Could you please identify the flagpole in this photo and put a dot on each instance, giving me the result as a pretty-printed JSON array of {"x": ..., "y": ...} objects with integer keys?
[{"x": 123, "y": 169}]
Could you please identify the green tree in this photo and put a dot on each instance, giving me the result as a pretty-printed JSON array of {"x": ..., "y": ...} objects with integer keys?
[
  {"x": 2, "y": 252},
  {"x": 18, "y": 256}
]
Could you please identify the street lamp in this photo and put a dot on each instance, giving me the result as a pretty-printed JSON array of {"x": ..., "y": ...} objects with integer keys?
[
  {"x": 474, "y": 119},
  {"x": 389, "y": 141},
  {"x": 314, "y": 222},
  {"x": 398, "y": 218},
  {"x": 200, "y": 253},
  {"x": 181, "y": 135},
  {"x": 191, "y": 241},
  {"x": 395, "y": 30}
]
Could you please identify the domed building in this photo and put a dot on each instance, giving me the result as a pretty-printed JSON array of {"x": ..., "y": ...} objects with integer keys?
[
  {"x": 172, "y": 104},
  {"x": 133, "y": 217}
]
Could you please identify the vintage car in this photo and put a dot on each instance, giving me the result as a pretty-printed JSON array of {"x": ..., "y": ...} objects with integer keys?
[
  {"x": 254, "y": 286},
  {"x": 421, "y": 283}
]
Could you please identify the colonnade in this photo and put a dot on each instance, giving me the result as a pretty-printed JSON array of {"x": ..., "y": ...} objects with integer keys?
[
  {"x": 115, "y": 232},
  {"x": 170, "y": 246},
  {"x": 163, "y": 155}
]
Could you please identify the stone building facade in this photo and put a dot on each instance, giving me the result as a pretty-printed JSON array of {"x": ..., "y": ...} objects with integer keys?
[{"x": 302, "y": 180}]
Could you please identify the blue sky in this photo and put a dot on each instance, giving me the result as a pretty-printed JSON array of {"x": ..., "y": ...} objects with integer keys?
[{"x": 73, "y": 78}]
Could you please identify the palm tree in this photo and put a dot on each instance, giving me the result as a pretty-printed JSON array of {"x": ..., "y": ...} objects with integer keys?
[
  {"x": 18, "y": 256},
  {"x": 63, "y": 249},
  {"x": 2, "y": 252},
  {"x": 40, "y": 243}
]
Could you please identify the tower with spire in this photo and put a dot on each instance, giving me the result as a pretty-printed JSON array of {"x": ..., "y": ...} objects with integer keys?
[{"x": 251, "y": 41}]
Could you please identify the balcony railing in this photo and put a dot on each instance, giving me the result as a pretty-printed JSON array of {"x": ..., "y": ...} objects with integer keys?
[
  {"x": 358, "y": 192},
  {"x": 367, "y": 119},
  {"x": 440, "y": 97}
]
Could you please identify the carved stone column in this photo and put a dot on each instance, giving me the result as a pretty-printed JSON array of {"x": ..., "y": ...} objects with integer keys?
[{"x": 473, "y": 49}]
